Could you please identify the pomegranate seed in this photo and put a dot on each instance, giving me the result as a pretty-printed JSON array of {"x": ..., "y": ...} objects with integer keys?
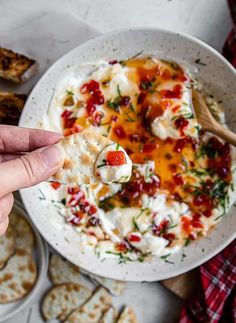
[
  {"x": 66, "y": 114},
  {"x": 120, "y": 132},
  {"x": 92, "y": 209},
  {"x": 114, "y": 118},
  {"x": 180, "y": 144},
  {"x": 207, "y": 213},
  {"x": 193, "y": 236},
  {"x": 113, "y": 62},
  {"x": 124, "y": 100},
  {"x": 170, "y": 237},
  {"x": 176, "y": 93},
  {"x": 178, "y": 179},
  {"x": 181, "y": 123},
  {"x": 223, "y": 172},
  {"x": 90, "y": 107},
  {"x": 147, "y": 148},
  {"x": 93, "y": 221}
]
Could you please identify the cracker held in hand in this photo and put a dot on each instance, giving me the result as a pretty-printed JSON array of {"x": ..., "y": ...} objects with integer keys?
[
  {"x": 80, "y": 153},
  {"x": 93, "y": 309},
  {"x": 61, "y": 300},
  {"x": 127, "y": 316},
  {"x": 62, "y": 271},
  {"x": 23, "y": 231},
  {"x": 85, "y": 160},
  {"x": 7, "y": 246},
  {"x": 18, "y": 277}
]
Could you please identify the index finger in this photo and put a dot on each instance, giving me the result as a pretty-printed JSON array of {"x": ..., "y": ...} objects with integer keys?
[{"x": 18, "y": 139}]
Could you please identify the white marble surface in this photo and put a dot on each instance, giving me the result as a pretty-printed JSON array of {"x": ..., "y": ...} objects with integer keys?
[
  {"x": 207, "y": 19},
  {"x": 45, "y": 29}
]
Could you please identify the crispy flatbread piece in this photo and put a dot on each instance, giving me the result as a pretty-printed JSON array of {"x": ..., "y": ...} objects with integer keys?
[
  {"x": 81, "y": 150},
  {"x": 109, "y": 316},
  {"x": 16, "y": 67},
  {"x": 127, "y": 316},
  {"x": 18, "y": 277},
  {"x": 24, "y": 233},
  {"x": 62, "y": 271},
  {"x": 61, "y": 300},
  {"x": 115, "y": 287},
  {"x": 7, "y": 246},
  {"x": 93, "y": 310}
]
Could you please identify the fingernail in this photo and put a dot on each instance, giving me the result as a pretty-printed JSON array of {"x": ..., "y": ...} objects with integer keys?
[{"x": 52, "y": 156}]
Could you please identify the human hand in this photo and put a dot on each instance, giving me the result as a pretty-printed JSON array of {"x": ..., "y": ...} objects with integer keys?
[{"x": 25, "y": 160}]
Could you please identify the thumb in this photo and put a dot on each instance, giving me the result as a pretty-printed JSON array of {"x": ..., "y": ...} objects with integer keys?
[{"x": 29, "y": 169}]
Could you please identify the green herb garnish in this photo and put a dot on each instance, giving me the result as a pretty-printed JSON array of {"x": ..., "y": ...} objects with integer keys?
[{"x": 165, "y": 258}]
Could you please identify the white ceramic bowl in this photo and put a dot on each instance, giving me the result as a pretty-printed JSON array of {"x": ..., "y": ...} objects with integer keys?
[
  {"x": 41, "y": 255},
  {"x": 216, "y": 73}
]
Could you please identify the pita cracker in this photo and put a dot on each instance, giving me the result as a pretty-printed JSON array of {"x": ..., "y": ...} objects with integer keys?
[
  {"x": 23, "y": 232},
  {"x": 62, "y": 271},
  {"x": 115, "y": 287},
  {"x": 109, "y": 316},
  {"x": 93, "y": 309},
  {"x": 61, "y": 300},
  {"x": 18, "y": 277},
  {"x": 80, "y": 150},
  {"x": 127, "y": 316},
  {"x": 7, "y": 246}
]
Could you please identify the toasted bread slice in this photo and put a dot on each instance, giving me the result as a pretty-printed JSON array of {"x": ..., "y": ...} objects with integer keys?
[
  {"x": 24, "y": 234},
  {"x": 127, "y": 316},
  {"x": 7, "y": 246},
  {"x": 61, "y": 300},
  {"x": 16, "y": 67},
  {"x": 18, "y": 277},
  {"x": 62, "y": 271},
  {"x": 93, "y": 310},
  {"x": 11, "y": 106}
]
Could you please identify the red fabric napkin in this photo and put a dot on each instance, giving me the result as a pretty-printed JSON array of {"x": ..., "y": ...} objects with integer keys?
[
  {"x": 215, "y": 300},
  {"x": 229, "y": 49}
]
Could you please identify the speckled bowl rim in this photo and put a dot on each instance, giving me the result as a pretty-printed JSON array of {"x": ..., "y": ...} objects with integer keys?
[{"x": 131, "y": 271}]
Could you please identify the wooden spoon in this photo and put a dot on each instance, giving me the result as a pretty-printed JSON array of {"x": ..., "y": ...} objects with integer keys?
[{"x": 208, "y": 122}]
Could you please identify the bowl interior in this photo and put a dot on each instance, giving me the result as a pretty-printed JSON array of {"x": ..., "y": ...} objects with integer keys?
[{"x": 219, "y": 77}]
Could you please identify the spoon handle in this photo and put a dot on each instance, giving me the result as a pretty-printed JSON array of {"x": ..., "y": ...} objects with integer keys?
[{"x": 223, "y": 133}]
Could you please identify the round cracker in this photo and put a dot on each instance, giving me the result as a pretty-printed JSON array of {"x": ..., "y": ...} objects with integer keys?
[
  {"x": 18, "y": 277},
  {"x": 7, "y": 246},
  {"x": 93, "y": 309},
  {"x": 24, "y": 233},
  {"x": 62, "y": 271},
  {"x": 61, "y": 300}
]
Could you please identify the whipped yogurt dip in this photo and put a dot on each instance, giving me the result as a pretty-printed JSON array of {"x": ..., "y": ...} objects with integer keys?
[{"x": 182, "y": 180}]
